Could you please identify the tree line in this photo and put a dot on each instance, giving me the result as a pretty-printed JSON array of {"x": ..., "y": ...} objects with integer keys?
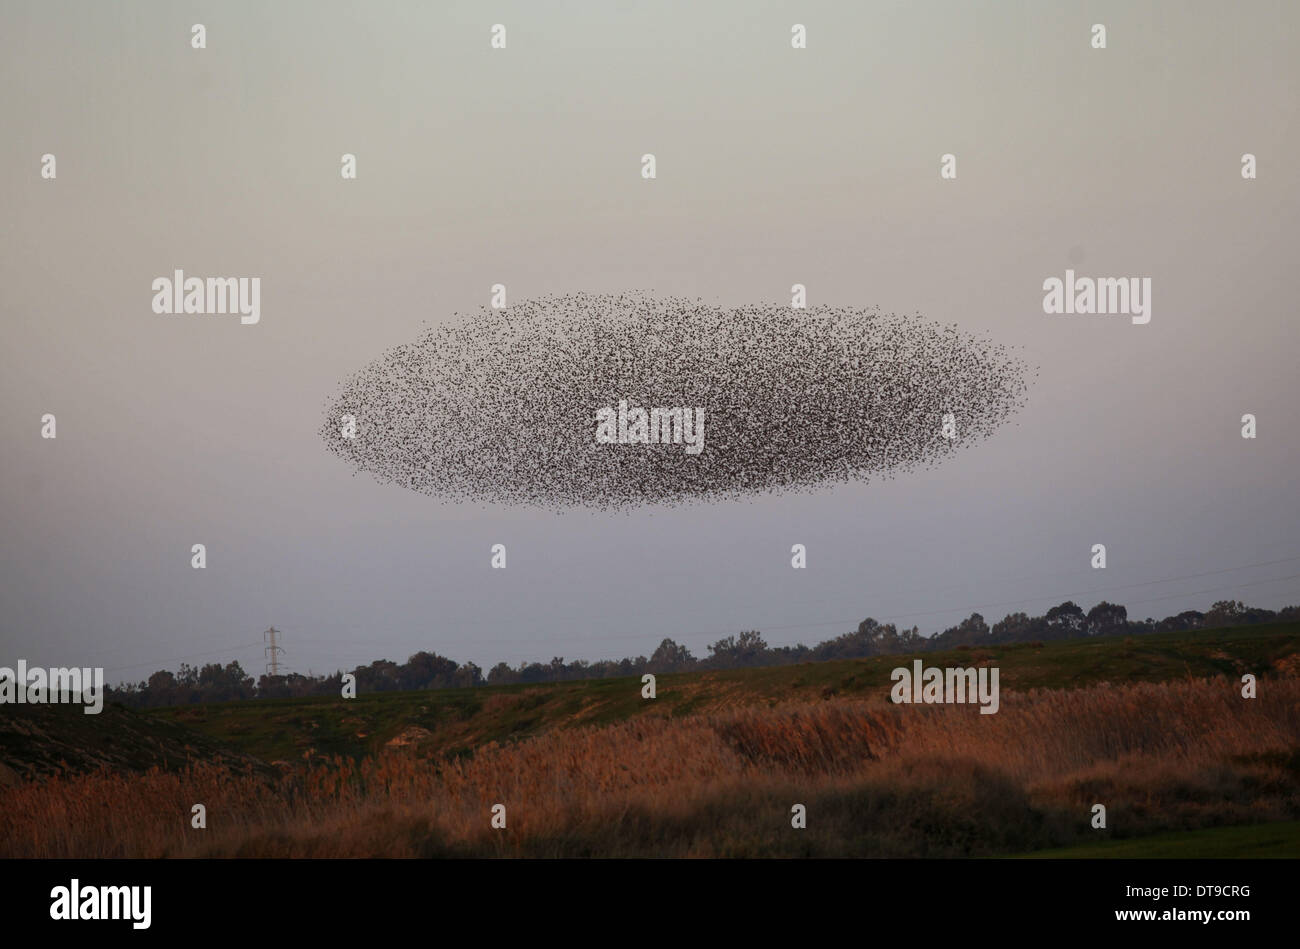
[{"x": 214, "y": 682}]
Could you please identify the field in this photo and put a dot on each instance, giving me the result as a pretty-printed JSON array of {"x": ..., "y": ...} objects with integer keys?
[
  {"x": 457, "y": 721},
  {"x": 1153, "y": 728}
]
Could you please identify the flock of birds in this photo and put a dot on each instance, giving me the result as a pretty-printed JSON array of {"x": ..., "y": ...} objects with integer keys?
[{"x": 500, "y": 407}]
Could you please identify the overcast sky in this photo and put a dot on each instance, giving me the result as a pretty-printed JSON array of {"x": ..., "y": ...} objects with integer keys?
[{"x": 522, "y": 166}]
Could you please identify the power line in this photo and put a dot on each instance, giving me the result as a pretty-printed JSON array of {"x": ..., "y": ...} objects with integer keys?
[
  {"x": 274, "y": 651},
  {"x": 936, "y": 612},
  {"x": 537, "y": 657},
  {"x": 194, "y": 655}
]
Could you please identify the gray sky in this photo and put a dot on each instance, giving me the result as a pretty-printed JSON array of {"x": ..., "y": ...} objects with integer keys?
[{"x": 522, "y": 166}]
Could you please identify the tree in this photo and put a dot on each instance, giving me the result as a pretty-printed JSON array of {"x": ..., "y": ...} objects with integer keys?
[
  {"x": 733, "y": 652},
  {"x": 162, "y": 681},
  {"x": 1224, "y": 612},
  {"x": 1107, "y": 619},
  {"x": 670, "y": 657},
  {"x": 380, "y": 676},
  {"x": 1065, "y": 620},
  {"x": 969, "y": 631},
  {"x": 1188, "y": 619},
  {"x": 426, "y": 670},
  {"x": 467, "y": 676},
  {"x": 501, "y": 674},
  {"x": 1017, "y": 627}
]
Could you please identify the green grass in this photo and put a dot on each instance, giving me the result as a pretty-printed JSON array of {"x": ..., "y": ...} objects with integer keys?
[
  {"x": 460, "y": 720},
  {"x": 1278, "y": 840},
  {"x": 38, "y": 740}
]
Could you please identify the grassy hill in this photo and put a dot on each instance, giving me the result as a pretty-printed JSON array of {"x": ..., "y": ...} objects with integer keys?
[
  {"x": 456, "y": 721},
  {"x": 39, "y": 740},
  {"x": 1154, "y": 727}
]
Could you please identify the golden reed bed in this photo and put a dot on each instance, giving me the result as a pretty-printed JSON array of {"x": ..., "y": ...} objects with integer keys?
[{"x": 876, "y": 779}]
